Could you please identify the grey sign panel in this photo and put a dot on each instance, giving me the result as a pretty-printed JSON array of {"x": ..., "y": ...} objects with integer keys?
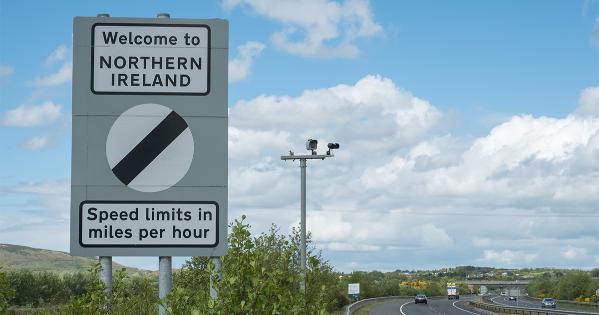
[{"x": 149, "y": 153}]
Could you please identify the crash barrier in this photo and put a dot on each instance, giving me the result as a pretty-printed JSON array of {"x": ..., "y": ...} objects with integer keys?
[
  {"x": 566, "y": 302},
  {"x": 498, "y": 308}
]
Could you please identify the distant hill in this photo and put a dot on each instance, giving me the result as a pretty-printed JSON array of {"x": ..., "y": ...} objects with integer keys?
[{"x": 15, "y": 257}]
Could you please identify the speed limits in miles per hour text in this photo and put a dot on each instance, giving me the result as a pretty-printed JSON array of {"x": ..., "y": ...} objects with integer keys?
[{"x": 148, "y": 224}]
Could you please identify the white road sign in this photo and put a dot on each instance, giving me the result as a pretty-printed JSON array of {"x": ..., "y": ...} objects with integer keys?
[
  {"x": 143, "y": 58},
  {"x": 147, "y": 224},
  {"x": 149, "y": 167},
  {"x": 353, "y": 288},
  {"x": 149, "y": 147}
]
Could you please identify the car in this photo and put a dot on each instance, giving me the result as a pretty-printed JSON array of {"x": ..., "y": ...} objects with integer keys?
[
  {"x": 420, "y": 298},
  {"x": 513, "y": 298},
  {"x": 548, "y": 302}
]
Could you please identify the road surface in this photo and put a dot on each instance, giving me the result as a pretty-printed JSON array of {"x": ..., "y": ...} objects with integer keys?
[{"x": 434, "y": 306}]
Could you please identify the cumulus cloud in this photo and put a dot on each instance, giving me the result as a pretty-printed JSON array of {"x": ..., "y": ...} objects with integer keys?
[
  {"x": 240, "y": 67},
  {"x": 399, "y": 177},
  {"x": 508, "y": 257},
  {"x": 6, "y": 71},
  {"x": 57, "y": 55},
  {"x": 326, "y": 29},
  {"x": 30, "y": 116},
  {"x": 36, "y": 143},
  {"x": 589, "y": 102},
  {"x": 62, "y": 76},
  {"x": 48, "y": 199},
  {"x": 573, "y": 253}
]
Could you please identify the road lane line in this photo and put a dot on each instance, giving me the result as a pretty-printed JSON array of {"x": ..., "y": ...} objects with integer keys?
[
  {"x": 461, "y": 309},
  {"x": 401, "y": 307}
]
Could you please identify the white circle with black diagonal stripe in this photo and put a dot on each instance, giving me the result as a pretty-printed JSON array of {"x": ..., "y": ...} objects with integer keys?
[{"x": 149, "y": 148}]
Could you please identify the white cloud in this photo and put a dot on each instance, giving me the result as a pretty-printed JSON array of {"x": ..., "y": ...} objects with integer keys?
[
  {"x": 399, "y": 177},
  {"x": 244, "y": 143},
  {"x": 589, "y": 102},
  {"x": 350, "y": 246},
  {"x": 434, "y": 236},
  {"x": 30, "y": 116},
  {"x": 327, "y": 29},
  {"x": 481, "y": 242},
  {"x": 46, "y": 198},
  {"x": 36, "y": 143},
  {"x": 573, "y": 253},
  {"x": 240, "y": 67},
  {"x": 508, "y": 257},
  {"x": 62, "y": 76},
  {"x": 59, "y": 54},
  {"x": 6, "y": 71}
]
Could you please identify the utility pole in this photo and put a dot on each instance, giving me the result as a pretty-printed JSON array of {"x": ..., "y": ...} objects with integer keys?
[{"x": 311, "y": 145}]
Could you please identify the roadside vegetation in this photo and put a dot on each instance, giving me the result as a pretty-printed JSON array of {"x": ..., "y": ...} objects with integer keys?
[{"x": 577, "y": 286}]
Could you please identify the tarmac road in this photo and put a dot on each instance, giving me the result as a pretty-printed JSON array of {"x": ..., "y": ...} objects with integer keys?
[{"x": 434, "y": 306}]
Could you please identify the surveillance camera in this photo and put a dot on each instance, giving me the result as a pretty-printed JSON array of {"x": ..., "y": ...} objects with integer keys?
[
  {"x": 311, "y": 145},
  {"x": 332, "y": 146}
]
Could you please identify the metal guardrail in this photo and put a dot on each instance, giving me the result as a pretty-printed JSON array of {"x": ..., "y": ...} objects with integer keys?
[
  {"x": 523, "y": 310},
  {"x": 350, "y": 309},
  {"x": 566, "y": 302}
]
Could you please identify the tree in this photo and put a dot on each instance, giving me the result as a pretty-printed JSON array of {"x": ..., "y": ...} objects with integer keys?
[
  {"x": 6, "y": 292},
  {"x": 260, "y": 275}
]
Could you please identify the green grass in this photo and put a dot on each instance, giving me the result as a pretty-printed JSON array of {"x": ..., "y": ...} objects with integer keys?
[{"x": 16, "y": 257}]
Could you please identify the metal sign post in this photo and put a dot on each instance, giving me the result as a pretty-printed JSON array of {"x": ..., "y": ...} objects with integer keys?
[
  {"x": 106, "y": 273},
  {"x": 150, "y": 129},
  {"x": 165, "y": 279}
]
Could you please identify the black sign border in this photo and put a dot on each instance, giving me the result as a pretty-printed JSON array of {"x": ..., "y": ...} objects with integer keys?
[
  {"x": 93, "y": 29},
  {"x": 148, "y": 202}
]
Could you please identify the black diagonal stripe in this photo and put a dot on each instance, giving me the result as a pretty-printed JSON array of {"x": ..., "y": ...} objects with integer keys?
[{"x": 149, "y": 148}]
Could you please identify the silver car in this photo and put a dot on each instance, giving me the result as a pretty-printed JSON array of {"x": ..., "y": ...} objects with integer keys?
[{"x": 548, "y": 302}]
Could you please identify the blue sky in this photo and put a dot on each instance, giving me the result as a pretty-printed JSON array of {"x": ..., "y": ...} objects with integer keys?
[{"x": 469, "y": 107}]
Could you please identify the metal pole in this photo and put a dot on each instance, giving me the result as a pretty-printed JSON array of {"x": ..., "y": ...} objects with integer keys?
[
  {"x": 106, "y": 273},
  {"x": 218, "y": 269},
  {"x": 165, "y": 279},
  {"x": 303, "y": 225}
]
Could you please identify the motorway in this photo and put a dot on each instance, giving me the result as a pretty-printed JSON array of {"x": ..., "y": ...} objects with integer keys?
[
  {"x": 525, "y": 302},
  {"x": 434, "y": 306}
]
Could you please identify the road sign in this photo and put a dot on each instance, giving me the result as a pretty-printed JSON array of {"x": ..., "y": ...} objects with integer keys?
[
  {"x": 149, "y": 147},
  {"x": 137, "y": 58},
  {"x": 483, "y": 290},
  {"x": 150, "y": 120},
  {"x": 353, "y": 288}
]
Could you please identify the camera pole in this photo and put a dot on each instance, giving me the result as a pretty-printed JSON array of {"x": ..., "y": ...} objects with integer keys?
[
  {"x": 303, "y": 224},
  {"x": 311, "y": 146}
]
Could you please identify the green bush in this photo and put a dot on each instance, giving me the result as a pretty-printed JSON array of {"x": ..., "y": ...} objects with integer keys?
[
  {"x": 260, "y": 275},
  {"x": 6, "y": 292}
]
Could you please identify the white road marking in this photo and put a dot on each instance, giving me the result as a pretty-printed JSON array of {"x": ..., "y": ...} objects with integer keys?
[
  {"x": 461, "y": 309},
  {"x": 401, "y": 307}
]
